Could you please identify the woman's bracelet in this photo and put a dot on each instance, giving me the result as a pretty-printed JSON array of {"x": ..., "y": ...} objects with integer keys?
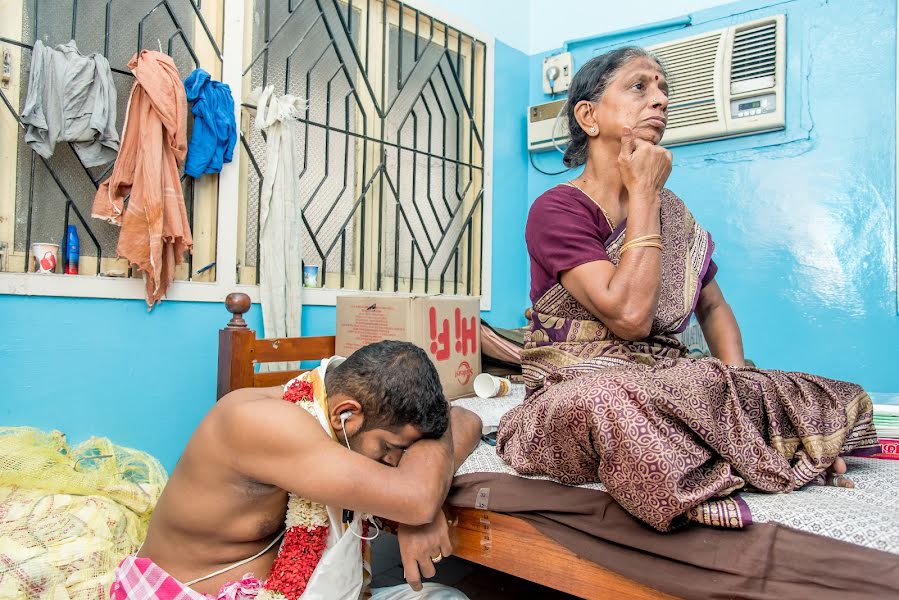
[
  {"x": 636, "y": 244},
  {"x": 645, "y": 238}
]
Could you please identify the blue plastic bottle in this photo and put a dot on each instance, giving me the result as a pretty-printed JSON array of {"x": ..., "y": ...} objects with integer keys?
[{"x": 73, "y": 249}]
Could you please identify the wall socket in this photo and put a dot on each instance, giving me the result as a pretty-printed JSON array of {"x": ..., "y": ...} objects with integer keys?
[{"x": 558, "y": 70}]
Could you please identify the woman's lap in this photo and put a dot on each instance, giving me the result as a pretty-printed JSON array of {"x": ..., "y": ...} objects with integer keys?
[{"x": 665, "y": 438}]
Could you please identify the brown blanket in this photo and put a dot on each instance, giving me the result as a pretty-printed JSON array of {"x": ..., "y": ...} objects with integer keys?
[{"x": 762, "y": 561}]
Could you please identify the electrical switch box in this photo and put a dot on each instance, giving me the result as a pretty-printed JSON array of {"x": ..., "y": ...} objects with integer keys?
[{"x": 558, "y": 70}]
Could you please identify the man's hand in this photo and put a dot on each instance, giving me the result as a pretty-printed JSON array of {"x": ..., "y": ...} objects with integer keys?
[{"x": 422, "y": 547}]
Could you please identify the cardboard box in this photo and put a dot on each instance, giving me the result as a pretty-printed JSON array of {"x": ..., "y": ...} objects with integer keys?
[{"x": 448, "y": 328}]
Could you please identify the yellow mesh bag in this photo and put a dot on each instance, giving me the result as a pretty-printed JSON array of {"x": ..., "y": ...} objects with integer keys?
[{"x": 68, "y": 516}]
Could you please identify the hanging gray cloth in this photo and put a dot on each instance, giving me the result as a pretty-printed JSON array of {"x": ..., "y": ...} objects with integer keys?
[{"x": 71, "y": 98}]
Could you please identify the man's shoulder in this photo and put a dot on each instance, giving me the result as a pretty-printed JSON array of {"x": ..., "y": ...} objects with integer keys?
[
  {"x": 252, "y": 415},
  {"x": 246, "y": 429}
]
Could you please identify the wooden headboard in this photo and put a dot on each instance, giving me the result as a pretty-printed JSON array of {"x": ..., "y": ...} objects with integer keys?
[{"x": 240, "y": 350}]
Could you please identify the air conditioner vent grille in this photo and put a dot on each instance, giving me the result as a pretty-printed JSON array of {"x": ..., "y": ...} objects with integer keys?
[
  {"x": 754, "y": 53},
  {"x": 691, "y": 78}
]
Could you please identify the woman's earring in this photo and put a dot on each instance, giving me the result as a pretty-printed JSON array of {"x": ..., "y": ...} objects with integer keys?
[{"x": 593, "y": 130}]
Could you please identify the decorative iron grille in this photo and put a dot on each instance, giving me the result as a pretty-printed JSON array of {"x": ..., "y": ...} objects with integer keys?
[
  {"x": 391, "y": 145},
  {"x": 50, "y": 194}
]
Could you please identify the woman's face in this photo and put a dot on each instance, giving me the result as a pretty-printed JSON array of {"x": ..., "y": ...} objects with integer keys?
[{"x": 637, "y": 97}]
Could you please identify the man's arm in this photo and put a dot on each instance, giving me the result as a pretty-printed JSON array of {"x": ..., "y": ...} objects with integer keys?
[
  {"x": 466, "y": 428},
  {"x": 281, "y": 444},
  {"x": 419, "y": 545}
]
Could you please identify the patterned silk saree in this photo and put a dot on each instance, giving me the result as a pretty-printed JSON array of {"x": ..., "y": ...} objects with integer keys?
[{"x": 671, "y": 437}]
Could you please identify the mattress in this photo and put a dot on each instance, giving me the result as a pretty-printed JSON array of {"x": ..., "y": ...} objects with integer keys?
[{"x": 821, "y": 541}]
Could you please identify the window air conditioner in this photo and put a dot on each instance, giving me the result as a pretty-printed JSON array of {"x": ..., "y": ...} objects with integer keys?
[{"x": 725, "y": 83}]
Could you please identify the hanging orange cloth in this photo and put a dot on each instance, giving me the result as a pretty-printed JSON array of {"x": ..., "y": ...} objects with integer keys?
[{"x": 155, "y": 231}]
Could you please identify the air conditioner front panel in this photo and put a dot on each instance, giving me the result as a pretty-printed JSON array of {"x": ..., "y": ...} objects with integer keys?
[
  {"x": 693, "y": 105},
  {"x": 711, "y": 74},
  {"x": 756, "y": 61}
]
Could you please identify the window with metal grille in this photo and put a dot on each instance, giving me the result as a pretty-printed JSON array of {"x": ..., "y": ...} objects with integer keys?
[
  {"x": 40, "y": 197},
  {"x": 390, "y": 147},
  {"x": 393, "y": 147}
]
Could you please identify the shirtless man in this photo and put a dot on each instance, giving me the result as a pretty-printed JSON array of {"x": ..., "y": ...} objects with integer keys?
[{"x": 226, "y": 499}]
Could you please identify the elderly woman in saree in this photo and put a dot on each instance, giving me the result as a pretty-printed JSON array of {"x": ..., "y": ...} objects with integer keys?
[{"x": 618, "y": 266}]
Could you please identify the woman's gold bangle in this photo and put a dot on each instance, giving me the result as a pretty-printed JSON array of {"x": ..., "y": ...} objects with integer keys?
[
  {"x": 645, "y": 238},
  {"x": 636, "y": 244}
]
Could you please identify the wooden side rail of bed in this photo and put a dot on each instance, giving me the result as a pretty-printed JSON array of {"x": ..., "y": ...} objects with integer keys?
[{"x": 499, "y": 541}]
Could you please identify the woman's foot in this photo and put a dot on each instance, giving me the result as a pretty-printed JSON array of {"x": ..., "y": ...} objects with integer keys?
[{"x": 835, "y": 475}]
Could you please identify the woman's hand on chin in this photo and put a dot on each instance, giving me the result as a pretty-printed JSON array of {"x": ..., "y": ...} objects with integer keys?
[{"x": 644, "y": 166}]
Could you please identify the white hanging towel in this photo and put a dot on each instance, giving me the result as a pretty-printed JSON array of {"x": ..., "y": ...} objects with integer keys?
[{"x": 280, "y": 221}]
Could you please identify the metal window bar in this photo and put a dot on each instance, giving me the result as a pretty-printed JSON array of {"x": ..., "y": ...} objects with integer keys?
[
  {"x": 61, "y": 174},
  {"x": 424, "y": 220}
]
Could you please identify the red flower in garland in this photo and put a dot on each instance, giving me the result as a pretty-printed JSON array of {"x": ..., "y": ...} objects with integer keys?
[
  {"x": 298, "y": 390},
  {"x": 300, "y": 552}
]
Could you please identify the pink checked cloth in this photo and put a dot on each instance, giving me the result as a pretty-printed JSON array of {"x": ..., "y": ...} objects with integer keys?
[{"x": 142, "y": 579}]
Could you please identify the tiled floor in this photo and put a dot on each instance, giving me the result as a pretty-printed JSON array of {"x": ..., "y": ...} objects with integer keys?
[{"x": 479, "y": 583}]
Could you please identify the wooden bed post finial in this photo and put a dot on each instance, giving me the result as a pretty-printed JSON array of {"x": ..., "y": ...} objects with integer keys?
[
  {"x": 237, "y": 304},
  {"x": 236, "y": 346}
]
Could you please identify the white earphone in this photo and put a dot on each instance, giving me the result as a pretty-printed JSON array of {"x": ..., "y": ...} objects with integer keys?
[
  {"x": 348, "y": 514},
  {"x": 344, "y": 417}
]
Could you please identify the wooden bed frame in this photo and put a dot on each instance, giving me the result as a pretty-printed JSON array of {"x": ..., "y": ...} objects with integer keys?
[{"x": 499, "y": 541}]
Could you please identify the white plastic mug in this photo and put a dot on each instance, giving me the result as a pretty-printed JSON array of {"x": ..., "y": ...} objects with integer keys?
[
  {"x": 488, "y": 386},
  {"x": 44, "y": 257}
]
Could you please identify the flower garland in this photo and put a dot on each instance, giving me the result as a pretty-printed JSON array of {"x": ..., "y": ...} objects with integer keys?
[
  {"x": 306, "y": 536},
  {"x": 307, "y": 527}
]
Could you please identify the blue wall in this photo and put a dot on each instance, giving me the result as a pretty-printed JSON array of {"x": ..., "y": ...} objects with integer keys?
[
  {"x": 804, "y": 222},
  {"x": 107, "y": 367},
  {"x": 804, "y": 219},
  {"x": 510, "y": 176}
]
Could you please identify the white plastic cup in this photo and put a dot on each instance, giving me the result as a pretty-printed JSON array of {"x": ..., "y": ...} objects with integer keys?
[
  {"x": 488, "y": 386},
  {"x": 44, "y": 257}
]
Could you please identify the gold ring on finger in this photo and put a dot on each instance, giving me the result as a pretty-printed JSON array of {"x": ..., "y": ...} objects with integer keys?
[{"x": 438, "y": 558}]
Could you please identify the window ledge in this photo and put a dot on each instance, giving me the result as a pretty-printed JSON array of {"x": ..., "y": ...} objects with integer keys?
[{"x": 86, "y": 286}]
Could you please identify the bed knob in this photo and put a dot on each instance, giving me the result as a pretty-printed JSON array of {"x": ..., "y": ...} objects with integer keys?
[{"x": 237, "y": 304}]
